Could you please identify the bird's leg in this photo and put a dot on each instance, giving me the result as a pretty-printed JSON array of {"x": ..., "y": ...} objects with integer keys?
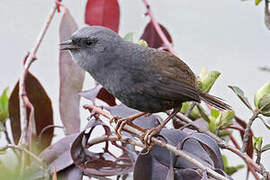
[
  {"x": 153, "y": 131},
  {"x": 121, "y": 122}
]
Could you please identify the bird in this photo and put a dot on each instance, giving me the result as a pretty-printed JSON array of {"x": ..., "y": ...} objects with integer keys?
[{"x": 143, "y": 78}]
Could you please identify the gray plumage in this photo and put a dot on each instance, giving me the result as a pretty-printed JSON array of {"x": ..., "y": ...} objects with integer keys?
[{"x": 145, "y": 79}]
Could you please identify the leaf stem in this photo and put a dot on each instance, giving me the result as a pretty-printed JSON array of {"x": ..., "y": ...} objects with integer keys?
[{"x": 158, "y": 29}]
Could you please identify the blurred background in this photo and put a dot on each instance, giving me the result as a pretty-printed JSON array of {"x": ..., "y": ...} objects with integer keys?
[{"x": 227, "y": 35}]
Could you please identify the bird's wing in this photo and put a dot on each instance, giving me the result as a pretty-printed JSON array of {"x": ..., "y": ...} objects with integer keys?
[{"x": 169, "y": 78}]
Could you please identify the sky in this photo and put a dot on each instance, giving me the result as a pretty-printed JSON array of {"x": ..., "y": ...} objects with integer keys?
[{"x": 227, "y": 35}]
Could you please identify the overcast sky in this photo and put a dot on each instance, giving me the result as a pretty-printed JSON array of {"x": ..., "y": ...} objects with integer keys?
[{"x": 226, "y": 35}]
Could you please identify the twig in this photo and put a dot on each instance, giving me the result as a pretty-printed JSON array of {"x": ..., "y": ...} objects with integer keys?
[
  {"x": 16, "y": 147},
  {"x": 190, "y": 108},
  {"x": 24, "y": 101},
  {"x": 158, "y": 29},
  {"x": 247, "y": 130},
  {"x": 154, "y": 140},
  {"x": 223, "y": 144},
  {"x": 6, "y": 134}
]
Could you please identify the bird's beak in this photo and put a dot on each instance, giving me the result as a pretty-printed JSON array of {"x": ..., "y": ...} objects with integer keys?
[{"x": 68, "y": 45}]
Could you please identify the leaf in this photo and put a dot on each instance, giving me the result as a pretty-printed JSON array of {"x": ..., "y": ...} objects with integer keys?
[
  {"x": 59, "y": 154},
  {"x": 257, "y": 2},
  {"x": 266, "y": 148},
  {"x": 151, "y": 36},
  {"x": 43, "y": 113},
  {"x": 71, "y": 79},
  {"x": 103, "y": 13},
  {"x": 230, "y": 170},
  {"x": 264, "y": 105},
  {"x": 265, "y": 89},
  {"x": 207, "y": 79},
  {"x": 100, "y": 93},
  {"x": 129, "y": 37},
  {"x": 98, "y": 164},
  {"x": 4, "y": 105},
  {"x": 142, "y": 43},
  {"x": 225, "y": 119},
  {"x": 257, "y": 143},
  {"x": 241, "y": 95},
  {"x": 195, "y": 113}
]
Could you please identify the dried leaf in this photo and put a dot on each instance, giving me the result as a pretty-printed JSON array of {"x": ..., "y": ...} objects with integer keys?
[
  {"x": 151, "y": 36},
  {"x": 71, "y": 79},
  {"x": 43, "y": 114},
  {"x": 103, "y": 13}
]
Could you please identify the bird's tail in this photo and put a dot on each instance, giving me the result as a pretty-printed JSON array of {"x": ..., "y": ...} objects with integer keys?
[{"x": 214, "y": 101}]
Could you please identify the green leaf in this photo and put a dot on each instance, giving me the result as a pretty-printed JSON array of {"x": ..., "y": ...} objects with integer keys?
[
  {"x": 4, "y": 105},
  {"x": 265, "y": 89},
  {"x": 207, "y": 79},
  {"x": 266, "y": 148},
  {"x": 129, "y": 36},
  {"x": 257, "y": 2},
  {"x": 212, "y": 126},
  {"x": 203, "y": 113},
  {"x": 257, "y": 143},
  {"x": 195, "y": 114},
  {"x": 230, "y": 169},
  {"x": 214, "y": 113},
  {"x": 241, "y": 95},
  {"x": 222, "y": 133},
  {"x": 224, "y": 119},
  {"x": 264, "y": 105},
  {"x": 142, "y": 43}
]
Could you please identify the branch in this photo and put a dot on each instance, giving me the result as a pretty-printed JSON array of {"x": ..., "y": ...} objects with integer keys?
[
  {"x": 158, "y": 29},
  {"x": 154, "y": 140},
  {"x": 224, "y": 145},
  {"x": 247, "y": 130},
  {"x": 15, "y": 147},
  {"x": 24, "y": 101}
]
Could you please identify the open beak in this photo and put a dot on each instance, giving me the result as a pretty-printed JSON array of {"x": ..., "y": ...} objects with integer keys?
[{"x": 68, "y": 45}]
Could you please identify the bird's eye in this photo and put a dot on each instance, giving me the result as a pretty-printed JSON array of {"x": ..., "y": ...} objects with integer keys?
[{"x": 88, "y": 42}]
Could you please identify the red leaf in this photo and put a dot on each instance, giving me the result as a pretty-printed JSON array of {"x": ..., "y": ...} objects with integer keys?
[
  {"x": 71, "y": 79},
  {"x": 100, "y": 93},
  {"x": 98, "y": 164},
  {"x": 43, "y": 114},
  {"x": 151, "y": 36},
  {"x": 103, "y": 13}
]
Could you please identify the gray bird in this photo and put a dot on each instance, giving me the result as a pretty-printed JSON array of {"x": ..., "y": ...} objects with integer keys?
[{"x": 142, "y": 78}]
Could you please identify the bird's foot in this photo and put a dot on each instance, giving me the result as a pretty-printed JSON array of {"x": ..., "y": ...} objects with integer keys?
[
  {"x": 121, "y": 122},
  {"x": 146, "y": 137}
]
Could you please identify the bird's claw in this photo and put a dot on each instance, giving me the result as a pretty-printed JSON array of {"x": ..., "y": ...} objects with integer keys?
[{"x": 146, "y": 137}]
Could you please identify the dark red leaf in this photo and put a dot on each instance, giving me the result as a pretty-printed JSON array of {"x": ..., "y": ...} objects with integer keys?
[
  {"x": 98, "y": 164},
  {"x": 243, "y": 124},
  {"x": 71, "y": 79},
  {"x": 43, "y": 114},
  {"x": 151, "y": 36},
  {"x": 103, "y": 13},
  {"x": 100, "y": 93}
]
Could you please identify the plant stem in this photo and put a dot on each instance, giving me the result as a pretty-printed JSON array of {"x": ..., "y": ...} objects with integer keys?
[{"x": 247, "y": 130}]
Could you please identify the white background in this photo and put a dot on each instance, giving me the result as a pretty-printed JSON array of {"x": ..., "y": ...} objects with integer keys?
[{"x": 227, "y": 35}]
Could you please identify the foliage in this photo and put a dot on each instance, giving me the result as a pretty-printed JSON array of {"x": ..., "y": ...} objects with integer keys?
[{"x": 72, "y": 156}]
